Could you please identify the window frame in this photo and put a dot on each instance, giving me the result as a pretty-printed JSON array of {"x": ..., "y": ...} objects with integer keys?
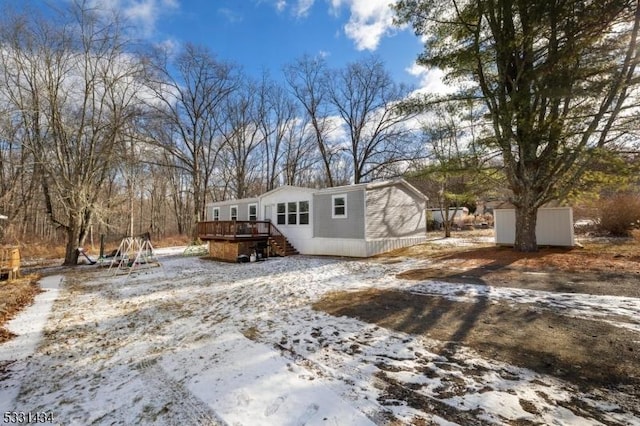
[
  {"x": 334, "y": 215},
  {"x": 255, "y": 215},
  {"x": 292, "y": 214},
  {"x": 215, "y": 214},
  {"x": 231, "y": 212},
  {"x": 302, "y": 213},
  {"x": 283, "y": 214}
]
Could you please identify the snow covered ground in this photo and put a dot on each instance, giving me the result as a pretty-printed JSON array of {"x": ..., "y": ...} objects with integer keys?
[{"x": 202, "y": 342}]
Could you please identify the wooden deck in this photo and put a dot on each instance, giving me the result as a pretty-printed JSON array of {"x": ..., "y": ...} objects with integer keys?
[{"x": 231, "y": 238}]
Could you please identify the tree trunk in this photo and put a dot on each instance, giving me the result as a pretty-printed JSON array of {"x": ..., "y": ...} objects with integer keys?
[
  {"x": 71, "y": 250},
  {"x": 447, "y": 229},
  {"x": 77, "y": 232},
  {"x": 526, "y": 216}
]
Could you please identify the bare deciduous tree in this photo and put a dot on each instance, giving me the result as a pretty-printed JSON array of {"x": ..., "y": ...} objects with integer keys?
[
  {"x": 307, "y": 78},
  {"x": 242, "y": 137},
  {"x": 75, "y": 87},
  {"x": 190, "y": 102},
  {"x": 366, "y": 99}
]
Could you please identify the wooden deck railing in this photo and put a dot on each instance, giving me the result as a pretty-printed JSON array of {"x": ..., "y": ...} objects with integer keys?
[
  {"x": 233, "y": 229},
  {"x": 278, "y": 237}
]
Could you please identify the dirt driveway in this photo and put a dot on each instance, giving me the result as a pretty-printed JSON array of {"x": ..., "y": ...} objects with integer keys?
[{"x": 546, "y": 338}]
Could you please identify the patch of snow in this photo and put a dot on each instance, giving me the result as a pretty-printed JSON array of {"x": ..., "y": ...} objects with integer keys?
[
  {"x": 576, "y": 304},
  {"x": 203, "y": 342},
  {"x": 27, "y": 326}
]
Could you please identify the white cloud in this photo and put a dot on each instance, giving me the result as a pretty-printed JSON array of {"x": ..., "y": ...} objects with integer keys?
[
  {"x": 302, "y": 7},
  {"x": 281, "y": 5},
  {"x": 230, "y": 15},
  {"x": 431, "y": 80},
  {"x": 143, "y": 14},
  {"x": 369, "y": 21},
  {"x": 170, "y": 46}
]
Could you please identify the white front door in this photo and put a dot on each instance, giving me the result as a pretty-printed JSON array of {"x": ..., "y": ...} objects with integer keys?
[{"x": 267, "y": 212}]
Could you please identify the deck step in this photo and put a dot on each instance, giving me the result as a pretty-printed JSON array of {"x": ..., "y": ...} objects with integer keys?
[{"x": 287, "y": 250}]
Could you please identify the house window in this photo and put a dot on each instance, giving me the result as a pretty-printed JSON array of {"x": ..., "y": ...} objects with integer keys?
[
  {"x": 282, "y": 214},
  {"x": 292, "y": 210},
  {"x": 233, "y": 213},
  {"x": 304, "y": 212},
  {"x": 216, "y": 213},
  {"x": 253, "y": 212},
  {"x": 339, "y": 206}
]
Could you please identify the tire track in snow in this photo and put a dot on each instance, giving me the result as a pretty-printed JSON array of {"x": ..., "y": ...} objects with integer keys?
[{"x": 186, "y": 408}]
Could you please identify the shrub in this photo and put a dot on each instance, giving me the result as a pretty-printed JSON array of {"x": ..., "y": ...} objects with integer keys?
[{"x": 619, "y": 214}]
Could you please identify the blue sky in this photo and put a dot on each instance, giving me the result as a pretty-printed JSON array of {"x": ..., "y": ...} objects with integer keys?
[{"x": 266, "y": 34}]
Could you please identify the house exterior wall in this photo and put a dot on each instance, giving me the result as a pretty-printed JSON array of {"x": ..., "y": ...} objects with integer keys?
[
  {"x": 225, "y": 208},
  {"x": 454, "y": 214},
  {"x": 299, "y": 235},
  {"x": 394, "y": 212},
  {"x": 554, "y": 226},
  {"x": 352, "y": 226}
]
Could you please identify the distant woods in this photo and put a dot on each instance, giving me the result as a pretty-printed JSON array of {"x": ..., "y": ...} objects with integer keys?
[{"x": 99, "y": 134}]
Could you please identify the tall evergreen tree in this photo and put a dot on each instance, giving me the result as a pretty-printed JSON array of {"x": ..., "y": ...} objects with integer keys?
[{"x": 557, "y": 78}]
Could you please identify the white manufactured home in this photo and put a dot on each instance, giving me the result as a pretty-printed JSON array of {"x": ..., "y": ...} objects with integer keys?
[
  {"x": 455, "y": 214},
  {"x": 354, "y": 220}
]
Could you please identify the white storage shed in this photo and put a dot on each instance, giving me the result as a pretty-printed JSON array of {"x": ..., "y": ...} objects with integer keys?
[{"x": 554, "y": 226}]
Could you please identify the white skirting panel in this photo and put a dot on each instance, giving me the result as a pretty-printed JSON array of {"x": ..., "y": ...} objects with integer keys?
[
  {"x": 380, "y": 246},
  {"x": 354, "y": 247}
]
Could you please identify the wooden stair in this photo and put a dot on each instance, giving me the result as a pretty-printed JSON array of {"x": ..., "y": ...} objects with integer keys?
[
  {"x": 279, "y": 244},
  {"x": 277, "y": 247}
]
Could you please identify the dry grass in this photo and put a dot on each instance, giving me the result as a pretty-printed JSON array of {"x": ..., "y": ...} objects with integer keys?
[
  {"x": 605, "y": 255},
  {"x": 39, "y": 250},
  {"x": 14, "y": 295}
]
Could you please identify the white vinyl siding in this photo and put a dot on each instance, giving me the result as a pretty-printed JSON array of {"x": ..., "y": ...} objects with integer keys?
[
  {"x": 554, "y": 226},
  {"x": 394, "y": 212}
]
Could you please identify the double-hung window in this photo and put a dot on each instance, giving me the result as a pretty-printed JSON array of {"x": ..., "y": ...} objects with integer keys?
[
  {"x": 292, "y": 213},
  {"x": 339, "y": 206},
  {"x": 233, "y": 212},
  {"x": 282, "y": 214},
  {"x": 253, "y": 212},
  {"x": 303, "y": 211},
  {"x": 216, "y": 213}
]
